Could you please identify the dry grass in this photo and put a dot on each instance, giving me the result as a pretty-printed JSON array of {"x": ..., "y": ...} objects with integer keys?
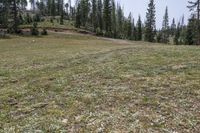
[{"x": 74, "y": 83}]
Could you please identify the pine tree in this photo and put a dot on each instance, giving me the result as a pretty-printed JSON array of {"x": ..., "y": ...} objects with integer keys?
[
  {"x": 53, "y": 8},
  {"x": 59, "y": 7},
  {"x": 173, "y": 27},
  {"x": 183, "y": 30},
  {"x": 150, "y": 22},
  {"x": 159, "y": 37},
  {"x": 191, "y": 32},
  {"x": 107, "y": 17},
  {"x": 113, "y": 19},
  {"x": 84, "y": 10},
  {"x": 70, "y": 11},
  {"x": 99, "y": 14},
  {"x": 41, "y": 7},
  {"x": 196, "y": 6},
  {"x": 177, "y": 35},
  {"x": 78, "y": 16},
  {"x": 139, "y": 29},
  {"x": 62, "y": 13},
  {"x": 165, "y": 27},
  {"x": 129, "y": 27},
  {"x": 94, "y": 14},
  {"x": 3, "y": 13},
  {"x": 134, "y": 31},
  {"x": 14, "y": 20},
  {"x": 120, "y": 21}
]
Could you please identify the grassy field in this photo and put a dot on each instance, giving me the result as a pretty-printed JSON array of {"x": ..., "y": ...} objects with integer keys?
[{"x": 76, "y": 83}]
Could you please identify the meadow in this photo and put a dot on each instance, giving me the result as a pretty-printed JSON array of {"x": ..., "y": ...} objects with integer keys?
[{"x": 81, "y": 83}]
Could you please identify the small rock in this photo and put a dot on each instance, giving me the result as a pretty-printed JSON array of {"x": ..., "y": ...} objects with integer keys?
[{"x": 65, "y": 121}]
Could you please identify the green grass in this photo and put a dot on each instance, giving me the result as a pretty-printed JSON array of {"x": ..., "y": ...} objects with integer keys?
[{"x": 76, "y": 83}]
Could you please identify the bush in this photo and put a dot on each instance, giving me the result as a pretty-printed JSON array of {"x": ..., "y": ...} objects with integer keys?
[
  {"x": 108, "y": 34},
  {"x": 44, "y": 32},
  {"x": 37, "y": 18},
  {"x": 51, "y": 20},
  {"x": 2, "y": 34},
  {"x": 34, "y": 29},
  {"x": 99, "y": 32},
  {"x": 28, "y": 18}
]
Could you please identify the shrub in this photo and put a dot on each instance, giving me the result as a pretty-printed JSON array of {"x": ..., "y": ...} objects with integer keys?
[
  {"x": 34, "y": 29},
  {"x": 28, "y": 18},
  {"x": 51, "y": 20},
  {"x": 99, "y": 32},
  {"x": 2, "y": 34},
  {"x": 44, "y": 32},
  {"x": 37, "y": 18},
  {"x": 108, "y": 34}
]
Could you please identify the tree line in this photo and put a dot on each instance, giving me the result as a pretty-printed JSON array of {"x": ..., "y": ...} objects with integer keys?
[{"x": 105, "y": 18}]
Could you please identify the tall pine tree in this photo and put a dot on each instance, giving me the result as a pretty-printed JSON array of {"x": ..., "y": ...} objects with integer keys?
[
  {"x": 99, "y": 14},
  {"x": 107, "y": 17},
  {"x": 150, "y": 25},
  {"x": 139, "y": 29},
  {"x": 195, "y": 6},
  {"x": 94, "y": 15},
  {"x": 165, "y": 27},
  {"x": 191, "y": 31},
  {"x": 113, "y": 19},
  {"x": 173, "y": 27}
]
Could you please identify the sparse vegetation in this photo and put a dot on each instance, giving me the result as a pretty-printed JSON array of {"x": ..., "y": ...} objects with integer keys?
[
  {"x": 34, "y": 29},
  {"x": 74, "y": 81},
  {"x": 81, "y": 83}
]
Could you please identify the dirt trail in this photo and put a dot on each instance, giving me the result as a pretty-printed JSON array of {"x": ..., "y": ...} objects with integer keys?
[{"x": 71, "y": 32}]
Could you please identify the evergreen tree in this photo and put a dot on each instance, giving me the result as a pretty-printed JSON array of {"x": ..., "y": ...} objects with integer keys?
[
  {"x": 120, "y": 21},
  {"x": 99, "y": 15},
  {"x": 139, "y": 29},
  {"x": 165, "y": 27},
  {"x": 53, "y": 8},
  {"x": 3, "y": 13},
  {"x": 190, "y": 34},
  {"x": 150, "y": 22},
  {"x": 195, "y": 6},
  {"x": 107, "y": 16},
  {"x": 41, "y": 7},
  {"x": 62, "y": 13},
  {"x": 134, "y": 31},
  {"x": 13, "y": 16},
  {"x": 67, "y": 10},
  {"x": 159, "y": 37},
  {"x": 177, "y": 35},
  {"x": 84, "y": 8},
  {"x": 129, "y": 27},
  {"x": 94, "y": 14},
  {"x": 78, "y": 16},
  {"x": 114, "y": 22},
  {"x": 183, "y": 30},
  {"x": 173, "y": 27},
  {"x": 59, "y": 7}
]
